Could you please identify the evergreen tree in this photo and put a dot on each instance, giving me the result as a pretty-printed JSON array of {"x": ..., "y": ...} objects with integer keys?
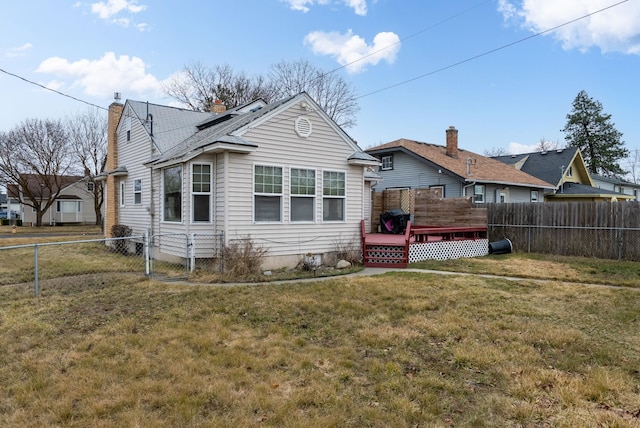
[{"x": 592, "y": 131}]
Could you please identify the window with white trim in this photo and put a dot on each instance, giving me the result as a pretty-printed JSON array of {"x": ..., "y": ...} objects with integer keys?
[
  {"x": 172, "y": 194},
  {"x": 122, "y": 193},
  {"x": 137, "y": 192},
  {"x": 387, "y": 162},
  {"x": 68, "y": 207},
  {"x": 267, "y": 193},
  {"x": 333, "y": 196},
  {"x": 478, "y": 193},
  {"x": 302, "y": 194},
  {"x": 90, "y": 186},
  {"x": 201, "y": 193},
  {"x": 534, "y": 196}
]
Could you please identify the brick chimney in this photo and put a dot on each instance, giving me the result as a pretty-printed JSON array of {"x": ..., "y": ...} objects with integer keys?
[
  {"x": 111, "y": 204},
  {"x": 218, "y": 107},
  {"x": 452, "y": 142}
]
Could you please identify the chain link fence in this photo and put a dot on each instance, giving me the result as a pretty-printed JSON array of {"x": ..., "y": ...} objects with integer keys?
[
  {"x": 167, "y": 257},
  {"x": 599, "y": 242}
]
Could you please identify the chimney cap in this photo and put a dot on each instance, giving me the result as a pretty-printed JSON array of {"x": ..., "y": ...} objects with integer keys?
[
  {"x": 117, "y": 96},
  {"x": 452, "y": 127}
]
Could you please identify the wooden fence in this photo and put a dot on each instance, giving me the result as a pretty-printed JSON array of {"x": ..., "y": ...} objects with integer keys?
[
  {"x": 428, "y": 208},
  {"x": 608, "y": 230}
]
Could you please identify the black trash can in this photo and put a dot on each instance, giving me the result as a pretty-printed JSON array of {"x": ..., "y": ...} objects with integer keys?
[
  {"x": 500, "y": 247},
  {"x": 394, "y": 221}
]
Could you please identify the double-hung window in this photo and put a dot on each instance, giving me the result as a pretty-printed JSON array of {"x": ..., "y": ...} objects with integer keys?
[
  {"x": 137, "y": 192},
  {"x": 303, "y": 192},
  {"x": 387, "y": 162},
  {"x": 333, "y": 196},
  {"x": 478, "y": 193},
  {"x": 267, "y": 193},
  {"x": 172, "y": 194},
  {"x": 201, "y": 192}
]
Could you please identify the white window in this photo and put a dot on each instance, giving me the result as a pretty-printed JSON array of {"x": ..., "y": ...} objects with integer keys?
[
  {"x": 570, "y": 171},
  {"x": 172, "y": 194},
  {"x": 478, "y": 193},
  {"x": 387, "y": 162},
  {"x": 534, "y": 196},
  {"x": 68, "y": 207},
  {"x": 128, "y": 127},
  {"x": 122, "y": 193},
  {"x": 137, "y": 192},
  {"x": 267, "y": 193},
  {"x": 303, "y": 192},
  {"x": 333, "y": 196},
  {"x": 201, "y": 192}
]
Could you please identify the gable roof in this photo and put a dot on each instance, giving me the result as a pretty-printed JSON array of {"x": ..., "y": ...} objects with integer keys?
[
  {"x": 614, "y": 180},
  {"x": 569, "y": 189},
  {"x": 549, "y": 166},
  {"x": 36, "y": 186},
  {"x": 468, "y": 166},
  {"x": 166, "y": 124},
  {"x": 210, "y": 131}
]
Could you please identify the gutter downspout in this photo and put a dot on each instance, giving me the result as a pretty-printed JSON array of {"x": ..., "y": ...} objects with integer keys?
[
  {"x": 225, "y": 219},
  {"x": 464, "y": 188}
]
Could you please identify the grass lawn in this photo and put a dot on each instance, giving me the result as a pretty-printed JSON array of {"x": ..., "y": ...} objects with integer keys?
[{"x": 401, "y": 349}]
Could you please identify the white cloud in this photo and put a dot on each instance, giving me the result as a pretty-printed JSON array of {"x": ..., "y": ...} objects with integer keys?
[
  {"x": 616, "y": 29},
  {"x": 352, "y": 51},
  {"x": 517, "y": 148},
  {"x": 358, "y": 6},
  {"x": 19, "y": 51},
  {"x": 113, "y": 7},
  {"x": 103, "y": 77},
  {"x": 113, "y": 10}
]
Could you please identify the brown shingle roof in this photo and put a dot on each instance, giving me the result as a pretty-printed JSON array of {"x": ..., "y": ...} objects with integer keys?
[{"x": 483, "y": 170}]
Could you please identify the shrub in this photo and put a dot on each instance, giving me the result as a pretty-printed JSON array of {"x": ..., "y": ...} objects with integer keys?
[
  {"x": 243, "y": 259},
  {"x": 120, "y": 231}
]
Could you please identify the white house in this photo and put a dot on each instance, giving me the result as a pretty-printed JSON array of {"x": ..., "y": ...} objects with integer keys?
[{"x": 282, "y": 174}]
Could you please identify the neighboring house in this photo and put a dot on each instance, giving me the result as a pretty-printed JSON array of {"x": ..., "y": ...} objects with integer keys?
[
  {"x": 454, "y": 171},
  {"x": 617, "y": 185},
  {"x": 73, "y": 204},
  {"x": 9, "y": 207},
  {"x": 283, "y": 175},
  {"x": 566, "y": 170}
]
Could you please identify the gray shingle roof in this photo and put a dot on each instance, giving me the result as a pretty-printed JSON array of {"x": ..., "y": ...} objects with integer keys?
[{"x": 548, "y": 166}]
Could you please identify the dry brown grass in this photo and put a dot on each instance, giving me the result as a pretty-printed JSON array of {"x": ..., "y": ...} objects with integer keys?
[{"x": 401, "y": 349}]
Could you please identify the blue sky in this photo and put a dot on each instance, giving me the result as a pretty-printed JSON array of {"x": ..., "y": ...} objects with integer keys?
[{"x": 420, "y": 65}]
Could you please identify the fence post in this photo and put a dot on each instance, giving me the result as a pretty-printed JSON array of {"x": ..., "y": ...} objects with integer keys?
[
  {"x": 35, "y": 269},
  {"x": 192, "y": 246},
  {"x": 147, "y": 262}
]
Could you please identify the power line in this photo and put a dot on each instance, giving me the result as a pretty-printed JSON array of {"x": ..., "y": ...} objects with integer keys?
[
  {"x": 52, "y": 90},
  {"x": 437, "y": 24},
  {"x": 490, "y": 51}
]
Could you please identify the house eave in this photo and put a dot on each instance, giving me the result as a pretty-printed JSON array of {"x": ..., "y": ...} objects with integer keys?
[
  {"x": 217, "y": 147},
  {"x": 508, "y": 183}
]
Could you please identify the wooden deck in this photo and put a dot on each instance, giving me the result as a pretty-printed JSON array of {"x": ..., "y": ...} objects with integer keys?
[{"x": 384, "y": 250}]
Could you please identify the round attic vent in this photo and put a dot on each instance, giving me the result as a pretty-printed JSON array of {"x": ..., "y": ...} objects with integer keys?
[{"x": 303, "y": 127}]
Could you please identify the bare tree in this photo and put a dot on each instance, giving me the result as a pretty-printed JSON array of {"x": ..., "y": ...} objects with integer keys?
[
  {"x": 198, "y": 87},
  {"x": 545, "y": 145},
  {"x": 496, "y": 151},
  {"x": 336, "y": 97},
  {"x": 88, "y": 138},
  {"x": 34, "y": 158},
  {"x": 633, "y": 166}
]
